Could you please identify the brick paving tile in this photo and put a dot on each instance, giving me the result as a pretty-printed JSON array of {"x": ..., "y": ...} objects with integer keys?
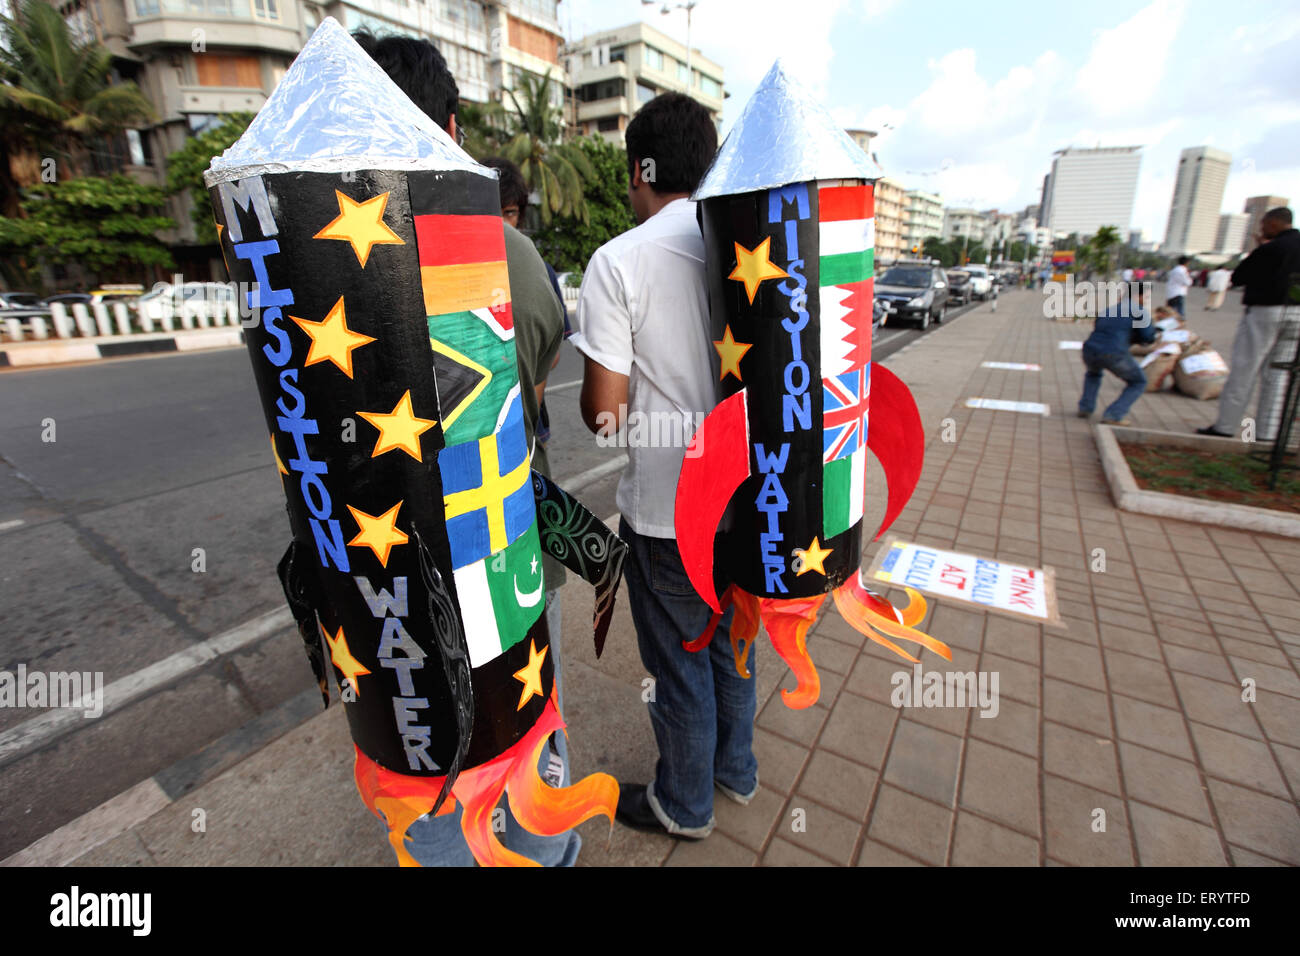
[
  {"x": 820, "y": 830},
  {"x": 801, "y": 726},
  {"x": 1130, "y": 641},
  {"x": 1015, "y": 726},
  {"x": 1012, "y": 638},
  {"x": 1075, "y": 706},
  {"x": 959, "y": 628},
  {"x": 1016, "y": 679},
  {"x": 1072, "y": 661},
  {"x": 1166, "y": 840},
  {"x": 835, "y": 627},
  {"x": 1157, "y": 728},
  {"x": 1242, "y": 857},
  {"x": 924, "y": 761},
  {"x": 1001, "y": 784},
  {"x": 1216, "y": 704},
  {"x": 716, "y": 850},
  {"x": 1254, "y": 652},
  {"x": 1070, "y": 818},
  {"x": 1207, "y": 664},
  {"x": 911, "y": 824},
  {"x": 832, "y": 656},
  {"x": 750, "y": 825},
  {"x": 1241, "y": 760},
  {"x": 1289, "y": 758},
  {"x": 1139, "y": 677},
  {"x": 1267, "y": 677},
  {"x": 1164, "y": 781},
  {"x": 950, "y": 720},
  {"x": 840, "y": 784},
  {"x": 1115, "y": 618},
  {"x": 1257, "y": 822},
  {"x": 784, "y": 853},
  {"x": 1263, "y": 581},
  {"x": 1175, "y": 632},
  {"x": 980, "y": 842},
  {"x": 779, "y": 760},
  {"x": 1081, "y": 757},
  {"x": 1247, "y": 558},
  {"x": 877, "y": 854},
  {"x": 858, "y": 729}
]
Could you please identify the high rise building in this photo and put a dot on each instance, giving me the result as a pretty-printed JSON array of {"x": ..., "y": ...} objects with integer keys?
[
  {"x": 922, "y": 218},
  {"x": 1255, "y": 208},
  {"x": 1198, "y": 195},
  {"x": 961, "y": 223},
  {"x": 614, "y": 72},
  {"x": 1090, "y": 188},
  {"x": 889, "y": 219},
  {"x": 1231, "y": 237}
]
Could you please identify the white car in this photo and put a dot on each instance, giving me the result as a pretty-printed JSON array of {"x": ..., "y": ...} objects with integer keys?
[{"x": 981, "y": 282}]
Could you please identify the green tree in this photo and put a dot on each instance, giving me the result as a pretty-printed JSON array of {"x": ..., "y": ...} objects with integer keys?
[
  {"x": 1100, "y": 247},
  {"x": 108, "y": 225},
  {"x": 486, "y": 126},
  {"x": 57, "y": 93},
  {"x": 553, "y": 170},
  {"x": 936, "y": 248},
  {"x": 185, "y": 169},
  {"x": 568, "y": 242}
]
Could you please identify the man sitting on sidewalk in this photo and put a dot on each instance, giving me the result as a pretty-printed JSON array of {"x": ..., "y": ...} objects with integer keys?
[
  {"x": 1117, "y": 328},
  {"x": 1267, "y": 274}
]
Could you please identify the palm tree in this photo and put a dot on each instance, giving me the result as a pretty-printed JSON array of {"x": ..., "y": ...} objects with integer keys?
[
  {"x": 57, "y": 91},
  {"x": 553, "y": 170},
  {"x": 1107, "y": 237}
]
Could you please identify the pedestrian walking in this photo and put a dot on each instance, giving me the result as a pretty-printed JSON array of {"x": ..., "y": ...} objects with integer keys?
[
  {"x": 1107, "y": 349},
  {"x": 1269, "y": 275},
  {"x": 1176, "y": 286},
  {"x": 1217, "y": 287}
]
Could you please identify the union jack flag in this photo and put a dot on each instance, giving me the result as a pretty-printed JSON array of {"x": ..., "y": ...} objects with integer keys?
[{"x": 844, "y": 413}]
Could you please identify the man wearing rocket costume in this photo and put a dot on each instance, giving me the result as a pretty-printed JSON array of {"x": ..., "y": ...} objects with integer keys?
[
  {"x": 372, "y": 252},
  {"x": 777, "y": 478}
]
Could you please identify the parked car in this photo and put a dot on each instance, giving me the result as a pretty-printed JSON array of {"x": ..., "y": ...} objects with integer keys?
[
  {"x": 959, "y": 288},
  {"x": 167, "y": 300},
  {"x": 980, "y": 280},
  {"x": 915, "y": 291},
  {"x": 19, "y": 300}
]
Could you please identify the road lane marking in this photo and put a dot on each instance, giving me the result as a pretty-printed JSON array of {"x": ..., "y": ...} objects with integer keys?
[
  {"x": 6, "y": 525},
  {"x": 33, "y": 734},
  {"x": 576, "y": 483},
  {"x": 94, "y": 828},
  {"x": 562, "y": 386}
]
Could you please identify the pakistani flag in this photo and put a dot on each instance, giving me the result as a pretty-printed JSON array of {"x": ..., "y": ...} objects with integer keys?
[{"x": 501, "y": 597}]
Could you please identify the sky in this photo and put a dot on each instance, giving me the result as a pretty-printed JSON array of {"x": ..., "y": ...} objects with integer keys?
[{"x": 970, "y": 100}]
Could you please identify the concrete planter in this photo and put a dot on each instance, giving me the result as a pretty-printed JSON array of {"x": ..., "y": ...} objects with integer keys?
[{"x": 1129, "y": 497}]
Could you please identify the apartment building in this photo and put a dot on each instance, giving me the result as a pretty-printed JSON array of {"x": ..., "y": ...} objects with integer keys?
[
  {"x": 614, "y": 72},
  {"x": 1254, "y": 208},
  {"x": 1090, "y": 188},
  {"x": 1231, "y": 237},
  {"x": 1202, "y": 177},
  {"x": 922, "y": 218},
  {"x": 963, "y": 223}
]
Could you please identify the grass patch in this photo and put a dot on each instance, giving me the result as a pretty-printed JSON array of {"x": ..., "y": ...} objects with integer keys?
[{"x": 1213, "y": 476}]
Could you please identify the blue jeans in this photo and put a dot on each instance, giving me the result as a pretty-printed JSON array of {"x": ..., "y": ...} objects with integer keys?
[
  {"x": 1178, "y": 303},
  {"x": 438, "y": 841},
  {"x": 701, "y": 710},
  {"x": 1121, "y": 364}
]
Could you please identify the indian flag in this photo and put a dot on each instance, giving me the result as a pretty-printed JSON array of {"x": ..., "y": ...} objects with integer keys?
[
  {"x": 846, "y": 236},
  {"x": 501, "y": 596}
]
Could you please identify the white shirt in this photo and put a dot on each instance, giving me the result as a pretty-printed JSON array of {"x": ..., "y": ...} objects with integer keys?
[
  {"x": 1217, "y": 281},
  {"x": 643, "y": 312},
  {"x": 1127, "y": 275},
  {"x": 1179, "y": 281}
]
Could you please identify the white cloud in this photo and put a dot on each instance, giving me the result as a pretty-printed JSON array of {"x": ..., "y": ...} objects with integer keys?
[{"x": 1127, "y": 62}]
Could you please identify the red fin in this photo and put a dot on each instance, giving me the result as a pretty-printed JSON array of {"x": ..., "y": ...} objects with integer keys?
[
  {"x": 716, "y": 462},
  {"x": 895, "y": 436}
]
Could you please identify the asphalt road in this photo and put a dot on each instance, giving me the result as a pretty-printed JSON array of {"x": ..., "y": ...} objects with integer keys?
[{"x": 140, "y": 517}]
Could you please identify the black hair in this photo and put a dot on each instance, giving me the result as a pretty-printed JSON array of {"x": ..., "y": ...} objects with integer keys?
[
  {"x": 1280, "y": 214},
  {"x": 677, "y": 135},
  {"x": 514, "y": 191},
  {"x": 1183, "y": 260},
  {"x": 419, "y": 71}
]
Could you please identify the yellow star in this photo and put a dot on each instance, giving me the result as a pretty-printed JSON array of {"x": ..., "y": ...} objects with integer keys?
[
  {"x": 220, "y": 230},
  {"x": 279, "y": 465},
  {"x": 380, "y": 534},
  {"x": 531, "y": 676},
  {"x": 331, "y": 339},
  {"x": 400, "y": 428},
  {"x": 362, "y": 224},
  {"x": 753, "y": 267},
  {"x": 731, "y": 352},
  {"x": 343, "y": 659},
  {"x": 812, "y": 558}
]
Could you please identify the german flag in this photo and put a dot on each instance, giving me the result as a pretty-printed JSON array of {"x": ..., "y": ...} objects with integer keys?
[{"x": 462, "y": 252}]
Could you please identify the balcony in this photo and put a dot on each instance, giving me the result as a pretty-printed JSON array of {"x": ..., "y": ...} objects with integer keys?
[
  {"x": 597, "y": 74},
  {"x": 219, "y": 99},
  {"x": 255, "y": 24},
  {"x": 597, "y": 109}
]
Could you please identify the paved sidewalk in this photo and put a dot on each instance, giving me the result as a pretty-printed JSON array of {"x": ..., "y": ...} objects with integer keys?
[{"x": 1132, "y": 708}]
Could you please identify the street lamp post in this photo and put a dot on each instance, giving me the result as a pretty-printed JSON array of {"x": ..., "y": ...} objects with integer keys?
[{"x": 688, "y": 6}]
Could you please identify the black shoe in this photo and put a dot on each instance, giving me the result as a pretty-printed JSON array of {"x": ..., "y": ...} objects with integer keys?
[
  {"x": 634, "y": 811},
  {"x": 1211, "y": 430}
]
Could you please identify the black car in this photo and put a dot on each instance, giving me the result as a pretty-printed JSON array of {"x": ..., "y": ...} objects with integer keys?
[
  {"x": 915, "y": 292},
  {"x": 959, "y": 287},
  {"x": 19, "y": 300}
]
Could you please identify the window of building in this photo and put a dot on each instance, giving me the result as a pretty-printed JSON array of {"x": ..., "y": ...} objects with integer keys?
[
  {"x": 710, "y": 87},
  {"x": 146, "y": 8},
  {"x": 618, "y": 54},
  {"x": 683, "y": 74},
  {"x": 228, "y": 69},
  {"x": 653, "y": 58},
  {"x": 266, "y": 9},
  {"x": 644, "y": 94},
  {"x": 607, "y": 125}
]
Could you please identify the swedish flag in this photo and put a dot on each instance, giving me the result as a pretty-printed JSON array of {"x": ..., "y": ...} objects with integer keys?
[{"x": 486, "y": 487}]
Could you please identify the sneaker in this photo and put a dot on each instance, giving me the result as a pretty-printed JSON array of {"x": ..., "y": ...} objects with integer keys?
[
  {"x": 1122, "y": 422},
  {"x": 1082, "y": 414},
  {"x": 634, "y": 811},
  {"x": 1211, "y": 430},
  {"x": 741, "y": 798}
]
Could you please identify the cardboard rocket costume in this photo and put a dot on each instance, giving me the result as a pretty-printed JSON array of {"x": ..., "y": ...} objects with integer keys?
[
  {"x": 777, "y": 471},
  {"x": 371, "y": 251}
]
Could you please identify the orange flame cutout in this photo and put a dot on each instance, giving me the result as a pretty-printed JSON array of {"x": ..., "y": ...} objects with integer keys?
[
  {"x": 744, "y": 626},
  {"x": 868, "y": 612},
  {"x": 400, "y": 800},
  {"x": 787, "y": 621}
]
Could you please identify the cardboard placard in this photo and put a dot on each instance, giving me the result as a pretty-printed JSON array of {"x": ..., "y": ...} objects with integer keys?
[{"x": 1001, "y": 405}]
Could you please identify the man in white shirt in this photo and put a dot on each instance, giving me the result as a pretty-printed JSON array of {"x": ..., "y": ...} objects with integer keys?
[
  {"x": 643, "y": 326},
  {"x": 1127, "y": 275},
  {"x": 1176, "y": 286}
]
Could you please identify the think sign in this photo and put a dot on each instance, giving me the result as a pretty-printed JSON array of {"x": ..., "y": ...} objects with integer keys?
[{"x": 996, "y": 585}]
